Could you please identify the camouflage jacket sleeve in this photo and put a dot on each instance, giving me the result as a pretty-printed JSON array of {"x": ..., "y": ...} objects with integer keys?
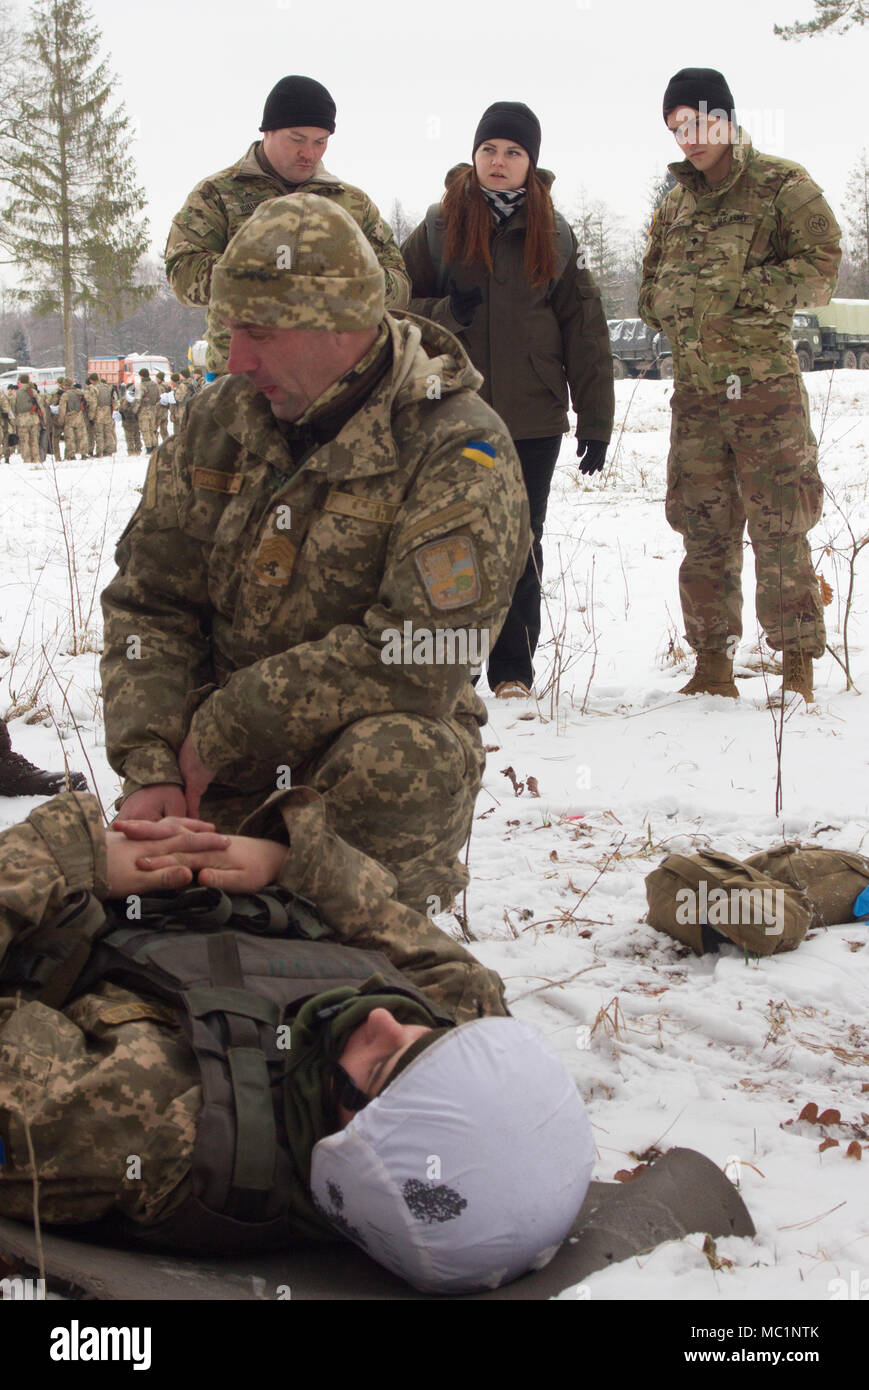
[
  {"x": 379, "y": 233},
  {"x": 59, "y": 849},
  {"x": 356, "y": 899},
  {"x": 588, "y": 359},
  {"x": 650, "y": 269},
  {"x": 425, "y": 299},
  {"x": 285, "y": 707},
  {"x": 155, "y": 650},
  {"x": 197, "y": 239},
  {"x": 806, "y": 239}
]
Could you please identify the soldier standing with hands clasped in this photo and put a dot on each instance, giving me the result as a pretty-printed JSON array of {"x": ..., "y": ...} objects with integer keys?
[{"x": 742, "y": 241}]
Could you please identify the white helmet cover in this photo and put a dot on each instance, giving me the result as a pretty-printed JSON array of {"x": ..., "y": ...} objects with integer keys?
[{"x": 469, "y": 1168}]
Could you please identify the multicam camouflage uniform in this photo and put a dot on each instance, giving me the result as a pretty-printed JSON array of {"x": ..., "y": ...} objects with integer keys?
[
  {"x": 102, "y": 400},
  {"x": 182, "y": 391},
  {"x": 7, "y": 426},
  {"x": 147, "y": 404},
  {"x": 130, "y": 422},
  {"x": 267, "y": 566},
  {"x": 162, "y": 426},
  {"x": 52, "y": 398},
  {"x": 72, "y": 417},
  {"x": 111, "y": 1074},
  {"x": 725, "y": 268},
  {"x": 29, "y": 417},
  {"x": 218, "y": 206}
]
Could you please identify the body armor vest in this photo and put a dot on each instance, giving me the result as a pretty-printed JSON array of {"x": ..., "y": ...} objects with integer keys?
[{"x": 236, "y": 969}]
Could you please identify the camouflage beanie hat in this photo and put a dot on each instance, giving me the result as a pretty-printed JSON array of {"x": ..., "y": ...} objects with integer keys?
[{"x": 300, "y": 262}]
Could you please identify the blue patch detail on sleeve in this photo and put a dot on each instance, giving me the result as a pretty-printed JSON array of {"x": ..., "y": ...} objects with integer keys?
[{"x": 481, "y": 444}]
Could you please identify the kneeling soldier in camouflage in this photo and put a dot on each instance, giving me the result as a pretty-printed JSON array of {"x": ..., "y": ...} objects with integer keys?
[
  {"x": 343, "y": 488},
  {"x": 742, "y": 241},
  {"x": 236, "y": 1085}
]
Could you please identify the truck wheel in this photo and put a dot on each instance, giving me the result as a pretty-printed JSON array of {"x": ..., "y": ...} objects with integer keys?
[
  {"x": 805, "y": 361},
  {"x": 849, "y": 360},
  {"x": 863, "y": 362},
  {"x": 620, "y": 371},
  {"x": 665, "y": 369}
]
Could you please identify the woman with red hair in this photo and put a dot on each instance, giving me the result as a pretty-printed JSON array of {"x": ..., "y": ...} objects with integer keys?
[{"x": 499, "y": 267}]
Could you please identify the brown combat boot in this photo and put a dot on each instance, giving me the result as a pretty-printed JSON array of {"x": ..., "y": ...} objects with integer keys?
[
  {"x": 713, "y": 675},
  {"x": 797, "y": 676}
]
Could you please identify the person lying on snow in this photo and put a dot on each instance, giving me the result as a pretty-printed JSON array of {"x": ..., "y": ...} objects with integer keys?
[{"x": 215, "y": 1043}]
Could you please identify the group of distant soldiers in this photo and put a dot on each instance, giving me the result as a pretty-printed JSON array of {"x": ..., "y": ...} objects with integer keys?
[{"x": 82, "y": 418}]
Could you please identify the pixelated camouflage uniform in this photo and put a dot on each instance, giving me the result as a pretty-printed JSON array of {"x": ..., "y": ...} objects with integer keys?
[
  {"x": 111, "y": 1075},
  {"x": 147, "y": 404},
  {"x": 71, "y": 416},
  {"x": 395, "y": 519},
  {"x": 219, "y": 205},
  {"x": 29, "y": 416},
  {"x": 724, "y": 271}
]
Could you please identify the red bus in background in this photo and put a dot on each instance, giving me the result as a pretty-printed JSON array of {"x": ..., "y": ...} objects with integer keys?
[{"x": 124, "y": 371}]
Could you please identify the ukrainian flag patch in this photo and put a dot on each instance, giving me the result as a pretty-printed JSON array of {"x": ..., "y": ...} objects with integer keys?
[{"x": 480, "y": 452}]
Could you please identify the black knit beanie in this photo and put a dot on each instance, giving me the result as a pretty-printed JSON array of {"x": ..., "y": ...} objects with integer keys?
[
  {"x": 510, "y": 120},
  {"x": 298, "y": 101},
  {"x": 691, "y": 86}
]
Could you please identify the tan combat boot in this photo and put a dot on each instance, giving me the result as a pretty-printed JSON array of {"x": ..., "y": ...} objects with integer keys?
[
  {"x": 713, "y": 675},
  {"x": 797, "y": 675}
]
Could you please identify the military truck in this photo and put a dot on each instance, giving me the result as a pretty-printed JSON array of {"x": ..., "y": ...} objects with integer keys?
[
  {"x": 836, "y": 335},
  {"x": 638, "y": 350}
]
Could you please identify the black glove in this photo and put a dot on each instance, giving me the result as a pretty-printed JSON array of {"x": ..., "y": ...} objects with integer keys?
[
  {"x": 464, "y": 302},
  {"x": 591, "y": 454}
]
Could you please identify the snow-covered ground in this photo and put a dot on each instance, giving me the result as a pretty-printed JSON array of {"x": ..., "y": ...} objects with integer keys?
[{"x": 713, "y": 1053}]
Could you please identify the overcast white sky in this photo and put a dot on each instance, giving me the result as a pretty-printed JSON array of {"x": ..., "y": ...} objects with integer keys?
[{"x": 411, "y": 80}]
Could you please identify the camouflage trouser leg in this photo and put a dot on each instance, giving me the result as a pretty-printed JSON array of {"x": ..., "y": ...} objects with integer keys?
[
  {"x": 100, "y": 1085},
  {"x": 753, "y": 458},
  {"x": 399, "y": 787},
  {"x": 163, "y": 424},
  {"x": 75, "y": 437},
  {"x": 147, "y": 426},
  {"x": 402, "y": 789},
  {"x": 133, "y": 439},
  {"x": 28, "y": 438},
  {"x": 104, "y": 431}
]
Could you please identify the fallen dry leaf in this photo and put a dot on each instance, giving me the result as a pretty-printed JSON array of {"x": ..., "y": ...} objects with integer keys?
[
  {"x": 531, "y": 784},
  {"x": 830, "y": 1117},
  {"x": 853, "y": 1150},
  {"x": 554, "y": 856},
  {"x": 809, "y": 1112},
  {"x": 826, "y": 591},
  {"x": 828, "y": 1143}
]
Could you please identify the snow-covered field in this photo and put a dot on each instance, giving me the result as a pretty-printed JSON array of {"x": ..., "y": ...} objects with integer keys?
[{"x": 711, "y": 1053}]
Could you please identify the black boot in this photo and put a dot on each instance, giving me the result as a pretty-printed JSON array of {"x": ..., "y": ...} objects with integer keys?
[{"x": 18, "y": 777}]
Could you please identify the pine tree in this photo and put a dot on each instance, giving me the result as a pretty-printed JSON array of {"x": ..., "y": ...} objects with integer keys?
[
  {"x": 73, "y": 222},
  {"x": 18, "y": 347},
  {"x": 836, "y": 15}
]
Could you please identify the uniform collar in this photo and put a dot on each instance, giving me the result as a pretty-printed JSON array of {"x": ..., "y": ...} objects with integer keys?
[
  {"x": 691, "y": 178},
  {"x": 251, "y": 166}
]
